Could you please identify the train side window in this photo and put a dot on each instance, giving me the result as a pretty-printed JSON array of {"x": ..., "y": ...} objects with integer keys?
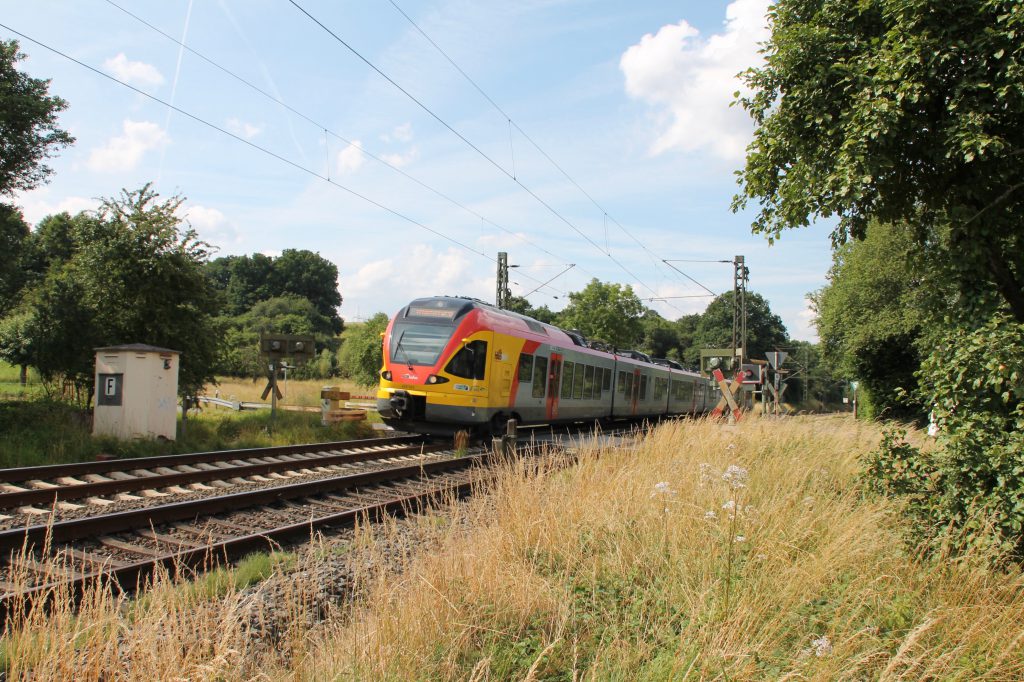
[
  {"x": 525, "y": 367},
  {"x": 606, "y": 384},
  {"x": 540, "y": 373},
  {"x": 621, "y": 388},
  {"x": 470, "y": 362},
  {"x": 577, "y": 383},
  {"x": 643, "y": 387},
  {"x": 659, "y": 387},
  {"x": 629, "y": 385},
  {"x": 588, "y": 382},
  {"x": 567, "y": 372}
]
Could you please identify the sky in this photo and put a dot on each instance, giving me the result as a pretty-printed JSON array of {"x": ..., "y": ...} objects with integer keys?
[{"x": 593, "y": 133}]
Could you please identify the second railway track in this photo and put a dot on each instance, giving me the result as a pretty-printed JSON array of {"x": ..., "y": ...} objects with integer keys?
[{"x": 74, "y": 490}]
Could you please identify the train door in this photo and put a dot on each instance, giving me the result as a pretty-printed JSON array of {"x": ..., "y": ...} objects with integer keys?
[
  {"x": 554, "y": 380},
  {"x": 636, "y": 392}
]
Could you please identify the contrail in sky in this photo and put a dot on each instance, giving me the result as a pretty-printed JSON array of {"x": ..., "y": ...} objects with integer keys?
[{"x": 174, "y": 87}]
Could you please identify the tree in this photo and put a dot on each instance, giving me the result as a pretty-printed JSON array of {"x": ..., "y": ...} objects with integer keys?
[
  {"x": 289, "y": 314},
  {"x": 246, "y": 280},
  {"x": 521, "y": 305},
  {"x": 303, "y": 273},
  {"x": 14, "y": 235},
  {"x": 765, "y": 330},
  {"x": 873, "y": 316},
  {"x": 133, "y": 276},
  {"x": 28, "y": 124},
  {"x": 660, "y": 337},
  {"x": 605, "y": 311},
  {"x": 905, "y": 112},
  {"x": 361, "y": 355}
]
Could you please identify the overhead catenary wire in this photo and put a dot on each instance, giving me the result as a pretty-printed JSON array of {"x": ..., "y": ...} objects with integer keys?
[
  {"x": 342, "y": 138},
  {"x": 529, "y": 139},
  {"x": 468, "y": 142},
  {"x": 249, "y": 143}
]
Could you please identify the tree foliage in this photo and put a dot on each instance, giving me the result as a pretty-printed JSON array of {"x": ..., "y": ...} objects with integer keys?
[
  {"x": 970, "y": 487},
  {"x": 361, "y": 355},
  {"x": 246, "y": 280},
  {"x": 765, "y": 330},
  {"x": 133, "y": 276},
  {"x": 878, "y": 313},
  {"x": 28, "y": 124},
  {"x": 14, "y": 237},
  {"x": 904, "y": 112},
  {"x": 607, "y": 312}
]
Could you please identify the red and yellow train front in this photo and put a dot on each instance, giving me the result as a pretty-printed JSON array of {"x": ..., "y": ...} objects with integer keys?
[{"x": 438, "y": 368}]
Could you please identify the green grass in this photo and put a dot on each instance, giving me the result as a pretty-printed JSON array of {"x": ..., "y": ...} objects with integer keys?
[{"x": 40, "y": 431}]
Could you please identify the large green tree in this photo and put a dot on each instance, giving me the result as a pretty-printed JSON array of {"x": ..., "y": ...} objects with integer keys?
[
  {"x": 904, "y": 111},
  {"x": 605, "y": 311},
  {"x": 28, "y": 124},
  {"x": 877, "y": 313},
  {"x": 133, "y": 276},
  {"x": 765, "y": 330},
  {"x": 244, "y": 281}
]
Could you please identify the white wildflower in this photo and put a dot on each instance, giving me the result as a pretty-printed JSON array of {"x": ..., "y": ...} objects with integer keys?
[
  {"x": 822, "y": 646},
  {"x": 710, "y": 515},
  {"x": 730, "y": 446},
  {"x": 741, "y": 538},
  {"x": 705, "y": 473},
  {"x": 663, "y": 488},
  {"x": 729, "y": 506},
  {"x": 736, "y": 477}
]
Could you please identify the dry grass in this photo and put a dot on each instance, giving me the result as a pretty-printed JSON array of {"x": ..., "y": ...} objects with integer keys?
[
  {"x": 593, "y": 572},
  {"x": 305, "y": 392}
]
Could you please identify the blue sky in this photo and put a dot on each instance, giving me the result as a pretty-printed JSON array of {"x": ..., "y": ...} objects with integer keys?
[{"x": 630, "y": 99}]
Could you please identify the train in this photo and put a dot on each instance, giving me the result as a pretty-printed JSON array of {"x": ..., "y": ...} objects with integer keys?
[{"x": 453, "y": 363}]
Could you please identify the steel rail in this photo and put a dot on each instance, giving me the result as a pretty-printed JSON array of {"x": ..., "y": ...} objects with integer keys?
[
  {"x": 99, "y": 488},
  {"x": 50, "y": 471},
  {"x": 14, "y": 540},
  {"x": 130, "y": 577}
]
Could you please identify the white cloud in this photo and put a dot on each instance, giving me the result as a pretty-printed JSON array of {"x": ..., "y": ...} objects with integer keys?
[
  {"x": 125, "y": 151},
  {"x": 243, "y": 128},
  {"x": 212, "y": 225},
  {"x": 402, "y": 133},
  {"x": 424, "y": 271},
  {"x": 801, "y": 326},
  {"x": 137, "y": 73},
  {"x": 35, "y": 205},
  {"x": 351, "y": 158},
  {"x": 691, "y": 80},
  {"x": 401, "y": 160}
]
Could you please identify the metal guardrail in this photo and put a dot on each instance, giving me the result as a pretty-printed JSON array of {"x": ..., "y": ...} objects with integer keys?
[{"x": 238, "y": 405}]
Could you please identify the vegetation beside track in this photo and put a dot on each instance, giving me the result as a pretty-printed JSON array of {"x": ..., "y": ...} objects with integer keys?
[
  {"x": 35, "y": 430},
  {"x": 631, "y": 565}
]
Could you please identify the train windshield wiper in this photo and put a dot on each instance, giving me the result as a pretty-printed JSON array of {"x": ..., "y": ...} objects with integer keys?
[{"x": 398, "y": 347}]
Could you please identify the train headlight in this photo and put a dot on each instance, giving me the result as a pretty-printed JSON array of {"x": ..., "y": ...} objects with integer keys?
[
  {"x": 434, "y": 379},
  {"x": 386, "y": 375}
]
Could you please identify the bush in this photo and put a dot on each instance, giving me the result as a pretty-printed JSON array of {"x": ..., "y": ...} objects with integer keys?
[{"x": 972, "y": 485}]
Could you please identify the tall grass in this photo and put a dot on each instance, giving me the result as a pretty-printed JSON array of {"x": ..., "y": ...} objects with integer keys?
[
  {"x": 628, "y": 565},
  {"x": 646, "y": 565}
]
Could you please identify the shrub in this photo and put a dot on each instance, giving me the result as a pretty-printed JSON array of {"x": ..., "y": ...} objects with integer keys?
[{"x": 973, "y": 483}]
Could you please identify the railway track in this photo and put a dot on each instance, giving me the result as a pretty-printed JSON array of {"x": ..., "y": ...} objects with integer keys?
[
  {"x": 125, "y": 547},
  {"x": 67, "y": 491},
  {"x": 315, "y": 487}
]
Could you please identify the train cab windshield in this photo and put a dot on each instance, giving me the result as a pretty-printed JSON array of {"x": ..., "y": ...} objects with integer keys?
[
  {"x": 422, "y": 330},
  {"x": 418, "y": 344}
]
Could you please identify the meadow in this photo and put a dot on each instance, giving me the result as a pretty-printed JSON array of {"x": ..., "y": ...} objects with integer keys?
[
  {"x": 35, "y": 429},
  {"x": 704, "y": 551}
]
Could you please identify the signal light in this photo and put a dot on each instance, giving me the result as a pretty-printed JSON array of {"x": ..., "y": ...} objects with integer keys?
[
  {"x": 386, "y": 375},
  {"x": 434, "y": 379}
]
